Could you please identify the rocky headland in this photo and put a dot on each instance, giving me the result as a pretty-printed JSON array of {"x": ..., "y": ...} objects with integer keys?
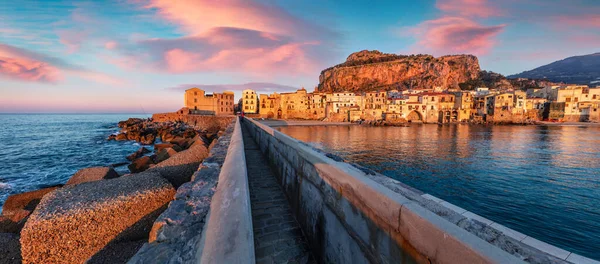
[
  {"x": 366, "y": 71},
  {"x": 99, "y": 216},
  {"x": 373, "y": 70}
]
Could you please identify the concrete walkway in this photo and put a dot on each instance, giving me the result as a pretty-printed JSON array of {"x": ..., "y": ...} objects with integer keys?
[{"x": 277, "y": 235}]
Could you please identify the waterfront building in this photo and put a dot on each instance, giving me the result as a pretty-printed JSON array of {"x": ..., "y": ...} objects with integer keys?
[
  {"x": 578, "y": 99},
  {"x": 295, "y": 104},
  {"x": 270, "y": 106},
  {"x": 316, "y": 105},
  {"x": 249, "y": 101},
  {"x": 198, "y": 102},
  {"x": 464, "y": 104},
  {"x": 374, "y": 105}
]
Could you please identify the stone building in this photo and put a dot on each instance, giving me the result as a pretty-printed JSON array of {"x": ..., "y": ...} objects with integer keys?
[
  {"x": 464, "y": 104},
  {"x": 198, "y": 102},
  {"x": 270, "y": 106},
  {"x": 579, "y": 101},
  {"x": 294, "y": 105},
  {"x": 249, "y": 101}
]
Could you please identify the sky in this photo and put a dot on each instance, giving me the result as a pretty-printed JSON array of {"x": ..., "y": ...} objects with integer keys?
[{"x": 138, "y": 56}]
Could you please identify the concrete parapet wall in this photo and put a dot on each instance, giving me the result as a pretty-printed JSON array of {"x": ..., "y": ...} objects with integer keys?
[
  {"x": 349, "y": 217},
  {"x": 201, "y": 122},
  {"x": 177, "y": 231},
  {"x": 228, "y": 236}
]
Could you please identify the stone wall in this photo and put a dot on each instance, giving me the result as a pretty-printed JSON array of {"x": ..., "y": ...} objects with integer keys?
[
  {"x": 178, "y": 234},
  {"x": 349, "y": 218},
  {"x": 351, "y": 214},
  {"x": 201, "y": 122}
]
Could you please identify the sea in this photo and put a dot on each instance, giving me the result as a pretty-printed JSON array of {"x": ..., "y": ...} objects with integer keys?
[
  {"x": 41, "y": 150},
  {"x": 543, "y": 181}
]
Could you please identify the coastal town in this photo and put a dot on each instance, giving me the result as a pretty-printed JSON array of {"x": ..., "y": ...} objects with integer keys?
[{"x": 558, "y": 103}]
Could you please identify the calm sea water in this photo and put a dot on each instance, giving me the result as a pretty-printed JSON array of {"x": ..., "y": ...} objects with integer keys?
[
  {"x": 41, "y": 150},
  {"x": 541, "y": 181}
]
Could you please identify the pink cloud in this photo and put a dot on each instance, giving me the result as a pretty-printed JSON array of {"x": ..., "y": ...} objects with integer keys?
[
  {"x": 110, "y": 45},
  {"x": 16, "y": 64},
  {"x": 468, "y": 8},
  {"x": 585, "y": 21},
  {"x": 73, "y": 39},
  {"x": 21, "y": 64},
  {"x": 232, "y": 35},
  {"x": 451, "y": 35},
  {"x": 231, "y": 49},
  {"x": 199, "y": 16}
]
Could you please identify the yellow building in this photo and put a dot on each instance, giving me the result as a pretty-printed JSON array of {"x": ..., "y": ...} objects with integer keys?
[
  {"x": 294, "y": 105},
  {"x": 198, "y": 102},
  {"x": 270, "y": 106},
  {"x": 464, "y": 103},
  {"x": 249, "y": 101}
]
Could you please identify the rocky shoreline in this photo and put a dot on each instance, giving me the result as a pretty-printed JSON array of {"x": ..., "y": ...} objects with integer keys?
[{"x": 99, "y": 216}]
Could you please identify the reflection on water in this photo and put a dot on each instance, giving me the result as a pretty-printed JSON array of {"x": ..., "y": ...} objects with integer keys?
[{"x": 541, "y": 181}]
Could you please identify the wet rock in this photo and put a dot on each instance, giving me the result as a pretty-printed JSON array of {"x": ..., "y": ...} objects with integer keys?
[
  {"x": 92, "y": 174},
  {"x": 148, "y": 139},
  {"x": 140, "y": 152},
  {"x": 141, "y": 164},
  {"x": 10, "y": 249},
  {"x": 158, "y": 147},
  {"x": 121, "y": 137},
  {"x": 77, "y": 222},
  {"x": 164, "y": 154},
  {"x": 17, "y": 203},
  {"x": 120, "y": 164},
  {"x": 111, "y": 137}
]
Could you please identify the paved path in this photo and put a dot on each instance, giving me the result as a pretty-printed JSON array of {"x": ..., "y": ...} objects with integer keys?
[{"x": 277, "y": 235}]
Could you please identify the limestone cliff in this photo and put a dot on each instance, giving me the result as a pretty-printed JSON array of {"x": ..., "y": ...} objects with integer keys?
[{"x": 371, "y": 70}]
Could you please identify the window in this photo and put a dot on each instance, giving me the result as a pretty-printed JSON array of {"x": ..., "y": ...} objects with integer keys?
[
  {"x": 246, "y": 107},
  {"x": 195, "y": 100},
  {"x": 576, "y": 99},
  {"x": 195, "y": 93},
  {"x": 568, "y": 99}
]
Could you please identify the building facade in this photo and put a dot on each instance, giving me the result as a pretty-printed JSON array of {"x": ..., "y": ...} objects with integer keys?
[
  {"x": 249, "y": 101},
  {"x": 198, "y": 102}
]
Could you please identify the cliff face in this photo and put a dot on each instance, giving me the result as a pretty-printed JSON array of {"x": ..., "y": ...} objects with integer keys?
[{"x": 372, "y": 70}]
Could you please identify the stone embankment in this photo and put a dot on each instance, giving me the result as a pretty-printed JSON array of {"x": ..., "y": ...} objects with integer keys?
[{"x": 100, "y": 216}]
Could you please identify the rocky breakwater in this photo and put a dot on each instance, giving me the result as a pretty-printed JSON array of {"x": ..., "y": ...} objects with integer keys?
[
  {"x": 371, "y": 70},
  {"x": 99, "y": 216}
]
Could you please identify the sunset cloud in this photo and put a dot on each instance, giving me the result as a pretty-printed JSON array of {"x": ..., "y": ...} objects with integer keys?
[
  {"x": 468, "y": 8},
  {"x": 20, "y": 64},
  {"x": 24, "y": 65},
  {"x": 242, "y": 36},
  {"x": 451, "y": 35},
  {"x": 228, "y": 49}
]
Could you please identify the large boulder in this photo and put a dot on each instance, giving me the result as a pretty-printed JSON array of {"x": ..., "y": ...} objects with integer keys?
[
  {"x": 10, "y": 249},
  {"x": 121, "y": 136},
  {"x": 179, "y": 168},
  {"x": 18, "y": 206},
  {"x": 78, "y": 222},
  {"x": 141, "y": 164},
  {"x": 160, "y": 146},
  {"x": 92, "y": 174},
  {"x": 165, "y": 154},
  {"x": 140, "y": 152}
]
